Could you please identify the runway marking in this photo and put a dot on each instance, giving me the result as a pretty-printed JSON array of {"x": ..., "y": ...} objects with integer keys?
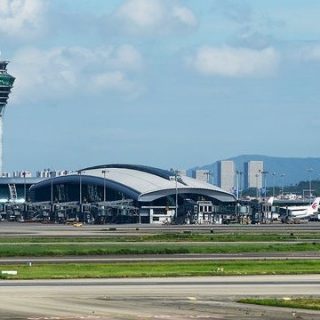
[
  {"x": 65, "y": 318},
  {"x": 187, "y": 317},
  {"x": 160, "y": 316}
]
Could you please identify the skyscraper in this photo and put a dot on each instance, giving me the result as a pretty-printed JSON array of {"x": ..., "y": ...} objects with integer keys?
[
  {"x": 226, "y": 175},
  {"x": 6, "y": 83},
  {"x": 253, "y": 174},
  {"x": 202, "y": 175}
]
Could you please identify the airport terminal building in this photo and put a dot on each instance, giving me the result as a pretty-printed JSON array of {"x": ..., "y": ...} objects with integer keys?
[{"x": 117, "y": 193}]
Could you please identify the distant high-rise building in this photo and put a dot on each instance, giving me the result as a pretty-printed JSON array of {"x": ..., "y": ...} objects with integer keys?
[
  {"x": 181, "y": 172},
  {"x": 47, "y": 173},
  {"x": 226, "y": 175},
  {"x": 43, "y": 173},
  {"x": 202, "y": 175},
  {"x": 22, "y": 174},
  {"x": 253, "y": 174}
]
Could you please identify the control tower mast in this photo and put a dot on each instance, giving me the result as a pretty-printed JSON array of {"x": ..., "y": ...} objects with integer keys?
[{"x": 6, "y": 84}]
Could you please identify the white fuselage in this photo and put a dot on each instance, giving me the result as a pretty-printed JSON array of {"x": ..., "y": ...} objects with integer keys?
[{"x": 300, "y": 213}]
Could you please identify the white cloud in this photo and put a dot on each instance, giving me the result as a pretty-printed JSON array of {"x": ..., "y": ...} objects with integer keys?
[
  {"x": 65, "y": 71},
  {"x": 185, "y": 16},
  {"x": 153, "y": 16},
  {"x": 22, "y": 18},
  {"x": 142, "y": 13},
  {"x": 234, "y": 62},
  {"x": 111, "y": 80},
  {"x": 128, "y": 57}
]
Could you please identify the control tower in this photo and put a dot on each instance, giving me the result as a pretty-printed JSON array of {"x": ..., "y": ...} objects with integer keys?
[{"x": 6, "y": 83}]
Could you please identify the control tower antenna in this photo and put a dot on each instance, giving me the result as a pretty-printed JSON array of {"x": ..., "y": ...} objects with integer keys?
[{"x": 6, "y": 84}]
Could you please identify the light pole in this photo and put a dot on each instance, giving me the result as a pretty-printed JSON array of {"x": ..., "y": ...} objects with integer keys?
[
  {"x": 282, "y": 175},
  {"x": 176, "y": 187},
  {"x": 207, "y": 173},
  {"x": 51, "y": 189},
  {"x": 237, "y": 184},
  {"x": 310, "y": 170},
  {"x": 273, "y": 182},
  {"x": 264, "y": 174},
  {"x": 51, "y": 192},
  {"x": 257, "y": 194},
  {"x": 104, "y": 185},
  {"x": 240, "y": 183},
  {"x": 24, "y": 186},
  {"x": 176, "y": 178},
  {"x": 80, "y": 193}
]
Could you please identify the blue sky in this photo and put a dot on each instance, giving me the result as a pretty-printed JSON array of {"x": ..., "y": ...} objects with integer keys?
[{"x": 166, "y": 83}]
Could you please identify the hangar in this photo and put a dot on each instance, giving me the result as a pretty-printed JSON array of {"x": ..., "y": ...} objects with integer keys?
[{"x": 133, "y": 193}]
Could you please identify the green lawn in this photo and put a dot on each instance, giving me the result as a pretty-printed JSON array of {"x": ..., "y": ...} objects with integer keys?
[
  {"x": 162, "y": 269},
  {"x": 83, "y": 249},
  {"x": 302, "y": 303}
]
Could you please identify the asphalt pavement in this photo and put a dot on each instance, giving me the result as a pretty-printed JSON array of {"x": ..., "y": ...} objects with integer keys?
[{"x": 154, "y": 298}]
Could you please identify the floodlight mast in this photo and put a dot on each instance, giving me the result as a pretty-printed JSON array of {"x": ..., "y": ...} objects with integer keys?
[{"x": 6, "y": 84}]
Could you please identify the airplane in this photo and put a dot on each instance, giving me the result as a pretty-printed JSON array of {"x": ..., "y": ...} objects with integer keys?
[
  {"x": 267, "y": 208},
  {"x": 270, "y": 201},
  {"x": 294, "y": 213}
]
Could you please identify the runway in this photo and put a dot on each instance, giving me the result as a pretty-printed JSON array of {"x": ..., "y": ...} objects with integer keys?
[
  {"x": 152, "y": 298},
  {"x": 36, "y": 229}
]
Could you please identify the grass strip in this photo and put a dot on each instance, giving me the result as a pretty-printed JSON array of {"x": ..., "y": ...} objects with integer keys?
[
  {"x": 161, "y": 269},
  {"x": 85, "y": 249},
  {"x": 173, "y": 237},
  {"x": 299, "y": 303}
]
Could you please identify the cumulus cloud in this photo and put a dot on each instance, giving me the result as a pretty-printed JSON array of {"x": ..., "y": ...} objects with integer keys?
[
  {"x": 22, "y": 18},
  {"x": 141, "y": 13},
  {"x": 234, "y": 62},
  {"x": 65, "y": 71},
  {"x": 185, "y": 16},
  {"x": 153, "y": 16}
]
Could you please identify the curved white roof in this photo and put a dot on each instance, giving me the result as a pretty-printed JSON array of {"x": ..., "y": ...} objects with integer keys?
[{"x": 152, "y": 183}]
